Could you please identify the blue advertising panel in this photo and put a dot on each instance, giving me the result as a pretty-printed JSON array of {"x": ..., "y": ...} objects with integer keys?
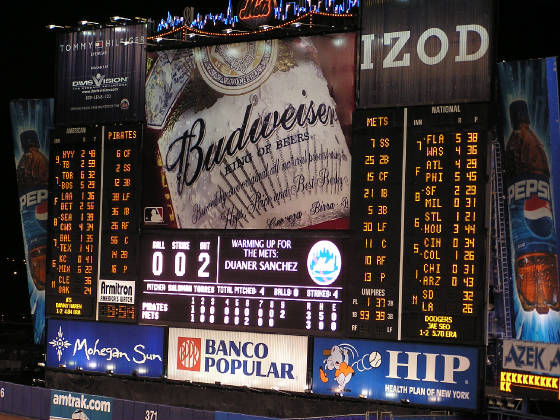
[
  {"x": 99, "y": 347},
  {"x": 443, "y": 376},
  {"x": 72, "y": 405},
  {"x": 31, "y": 121},
  {"x": 529, "y": 97}
]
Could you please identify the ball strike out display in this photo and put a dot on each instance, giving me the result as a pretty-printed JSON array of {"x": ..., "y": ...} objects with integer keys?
[{"x": 245, "y": 280}]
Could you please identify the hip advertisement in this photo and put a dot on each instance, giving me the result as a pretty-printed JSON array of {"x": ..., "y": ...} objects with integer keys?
[
  {"x": 99, "y": 347},
  {"x": 443, "y": 376},
  {"x": 100, "y": 75},
  {"x": 268, "y": 361},
  {"x": 76, "y": 406},
  {"x": 529, "y": 96},
  {"x": 422, "y": 52},
  {"x": 251, "y": 135},
  {"x": 31, "y": 121}
]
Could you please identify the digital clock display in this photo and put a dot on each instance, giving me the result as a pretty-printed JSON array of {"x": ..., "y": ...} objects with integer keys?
[
  {"x": 418, "y": 208},
  {"x": 249, "y": 280}
]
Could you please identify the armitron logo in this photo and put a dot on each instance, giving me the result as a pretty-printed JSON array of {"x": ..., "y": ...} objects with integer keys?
[{"x": 188, "y": 353}]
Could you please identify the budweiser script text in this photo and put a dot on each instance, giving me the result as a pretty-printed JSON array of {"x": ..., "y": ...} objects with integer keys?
[{"x": 189, "y": 158}]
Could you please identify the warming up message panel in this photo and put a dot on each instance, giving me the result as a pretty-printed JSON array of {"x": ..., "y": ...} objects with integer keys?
[
  {"x": 418, "y": 206},
  {"x": 250, "y": 280}
]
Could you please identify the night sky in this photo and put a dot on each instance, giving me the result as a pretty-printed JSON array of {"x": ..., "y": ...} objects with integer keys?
[{"x": 523, "y": 31}]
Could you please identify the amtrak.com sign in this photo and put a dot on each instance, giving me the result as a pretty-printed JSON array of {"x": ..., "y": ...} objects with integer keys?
[{"x": 269, "y": 361}]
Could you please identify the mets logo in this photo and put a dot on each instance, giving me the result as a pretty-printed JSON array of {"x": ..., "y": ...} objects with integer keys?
[
  {"x": 324, "y": 263},
  {"x": 234, "y": 69},
  {"x": 188, "y": 353}
]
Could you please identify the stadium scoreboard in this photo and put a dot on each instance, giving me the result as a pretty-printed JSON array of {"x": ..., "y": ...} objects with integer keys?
[
  {"x": 410, "y": 268},
  {"x": 93, "y": 222},
  {"x": 418, "y": 213}
]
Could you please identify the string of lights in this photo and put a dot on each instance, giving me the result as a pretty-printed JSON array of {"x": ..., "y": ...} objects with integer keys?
[
  {"x": 190, "y": 31},
  {"x": 285, "y": 12}
]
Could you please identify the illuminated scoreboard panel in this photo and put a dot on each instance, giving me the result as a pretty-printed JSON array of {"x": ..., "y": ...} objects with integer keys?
[
  {"x": 418, "y": 204},
  {"x": 376, "y": 208},
  {"x": 248, "y": 280},
  {"x": 93, "y": 222},
  {"x": 73, "y": 222},
  {"x": 119, "y": 237},
  {"x": 444, "y": 224}
]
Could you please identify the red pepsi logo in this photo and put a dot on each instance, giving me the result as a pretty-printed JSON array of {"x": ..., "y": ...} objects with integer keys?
[
  {"x": 188, "y": 353},
  {"x": 538, "y": 216}
]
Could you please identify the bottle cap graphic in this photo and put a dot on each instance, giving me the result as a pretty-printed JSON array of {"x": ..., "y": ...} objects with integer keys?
[
  {"x": 519, "y": 113},
  {"x": 29, "y": 139}
]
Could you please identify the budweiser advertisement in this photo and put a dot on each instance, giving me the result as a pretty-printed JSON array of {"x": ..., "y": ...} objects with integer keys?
[
  {"x": 251, "y": 135},
  {"x": 529, "y": 97},
  {"x": 422, "y": 52},
  {"x": 31, "y": 121},
  {"x": 100, "y": 75},
  {"x": 269, "y": 361}
]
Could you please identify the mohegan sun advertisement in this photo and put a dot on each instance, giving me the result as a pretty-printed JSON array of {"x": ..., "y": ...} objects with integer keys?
[{"x": 251, "y": 135}]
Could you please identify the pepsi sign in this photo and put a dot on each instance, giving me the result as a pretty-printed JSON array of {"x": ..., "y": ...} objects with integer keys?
[
  {"x": 99, "y": 347},
  {"x": 443, "y": 376},
  {"x": 237, "y": 358}
]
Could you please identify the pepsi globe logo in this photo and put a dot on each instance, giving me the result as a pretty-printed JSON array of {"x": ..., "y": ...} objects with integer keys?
[
  {"x": 41, "y": 214},
  {"x": 188, "y": 353},
  {"x": 324, "y": 263},
  {"x": 538, "y": 216}
]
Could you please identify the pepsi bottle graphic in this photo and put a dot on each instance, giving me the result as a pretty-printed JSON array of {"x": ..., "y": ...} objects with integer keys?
[
  {"x": 32, "y": 177},
  {"x": 531, "y": 220}
]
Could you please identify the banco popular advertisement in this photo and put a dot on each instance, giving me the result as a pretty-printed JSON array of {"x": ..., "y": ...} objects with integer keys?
[
  {"x": 31, "y": 121},
  {"x": 529, "y": 96},
  {"x": 443, "y": 376},
  {"x": 251, "y": 135},
  {"x": 269, "y": 361},
  {"x": 76, "y": 406}
]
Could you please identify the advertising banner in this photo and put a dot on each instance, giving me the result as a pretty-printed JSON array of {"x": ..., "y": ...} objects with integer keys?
[
  {"x": 100, "y": 75},
  {"x": 31, "y": 121},
  {"x": 76, "y": 406},
  {"x": 531, "y": 357},
  {"x": 421, "y": 52},
  {"x": 443, "y": 376},
  {"x": 529, "y": 96},
  {"x": 251, "y": 135},
  {"x": 269, "y": 361},
  {"x": 99, "y": 347}
]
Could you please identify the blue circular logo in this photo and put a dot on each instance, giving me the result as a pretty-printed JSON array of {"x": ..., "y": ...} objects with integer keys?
[{"x": 324, "y": 263}]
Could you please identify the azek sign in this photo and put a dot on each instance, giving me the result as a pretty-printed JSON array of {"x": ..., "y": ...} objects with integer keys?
[{"x": 531, "y": 357}]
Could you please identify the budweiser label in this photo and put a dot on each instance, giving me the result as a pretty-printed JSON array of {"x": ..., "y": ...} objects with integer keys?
[{"x": 254, "y": 141}]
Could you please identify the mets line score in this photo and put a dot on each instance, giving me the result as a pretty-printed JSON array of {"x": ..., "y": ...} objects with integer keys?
[{"x": 418, "y": 203}]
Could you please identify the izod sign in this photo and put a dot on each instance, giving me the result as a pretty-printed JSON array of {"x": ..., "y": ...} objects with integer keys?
[{"x": 423, "y": 52}]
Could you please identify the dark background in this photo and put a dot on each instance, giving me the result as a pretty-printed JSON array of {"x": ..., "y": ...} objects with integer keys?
[{"x": 524, "y": 29}]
